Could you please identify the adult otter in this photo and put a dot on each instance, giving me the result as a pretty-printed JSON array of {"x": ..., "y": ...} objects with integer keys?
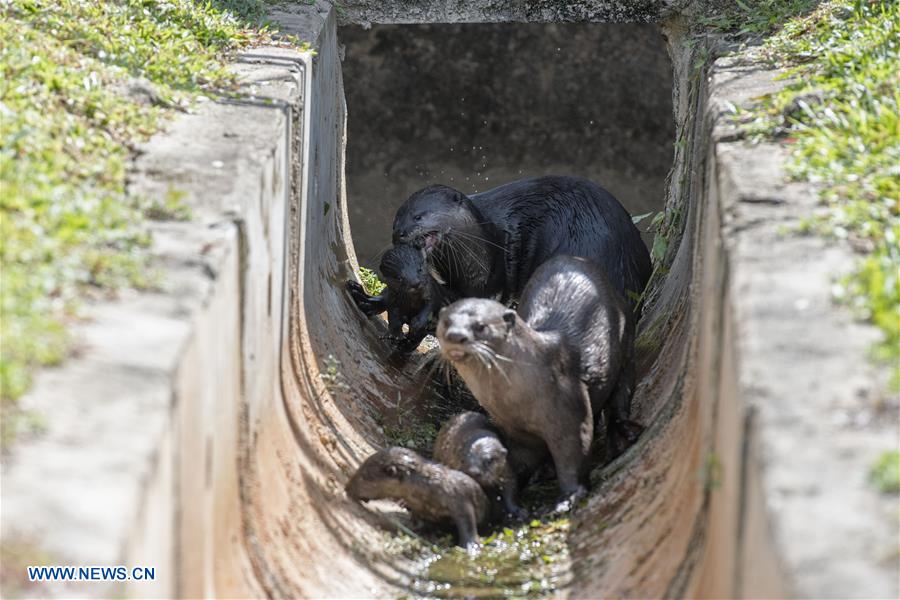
[
  {"x": 489, "y": 244},
  {"x": 431, "y": 491},
  {"x": 545, "y": 373},
  {"x": 469, "y": 443},
  {"x": 411, "y": 297}
]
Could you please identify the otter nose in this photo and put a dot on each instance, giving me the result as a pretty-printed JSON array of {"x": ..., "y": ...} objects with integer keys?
[
  {"x": 456, "y": 336},
  {"x": 400, "y": 236}
]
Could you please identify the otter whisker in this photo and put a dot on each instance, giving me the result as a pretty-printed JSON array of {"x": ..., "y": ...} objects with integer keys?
[
  {"x": 479, "y": 238},
  {"x": 431, "y": 362},
  {"x": 488, "y": 355},
  {"x": 446, "y": 365},
  {"x": 461, "y": 246},
  {"x": 454, "y": 254},
  {"x": 499, "y": 356},
  {"x": 475, "y": 256},
  {"x": 478, "y": 353}
]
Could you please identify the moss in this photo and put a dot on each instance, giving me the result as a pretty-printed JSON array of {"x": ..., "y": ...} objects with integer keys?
[
  {"x": 524, "y": 561},
  {"x": 885, "y": 473},
  {"x": 169, "y": 208},
  {"x": 651, "y": 338},
  {"x": 411, "y": 433},
  {"x": 69, "y": 71},
  {"x": 413, "y": 426},
  {"x": 839, "y": 112}
]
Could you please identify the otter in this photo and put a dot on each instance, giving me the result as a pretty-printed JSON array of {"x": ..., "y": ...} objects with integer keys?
[
  {"x": 411, "y": 297},
  {"x": 432, "y": 492},
  {"x": 469, "y": 443},
  {"x": 488, "y": 245},
  {"x": 546, "y": 372}
]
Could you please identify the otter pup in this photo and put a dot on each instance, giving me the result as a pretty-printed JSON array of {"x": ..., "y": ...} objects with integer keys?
[
  {"x": 546, "y": 372},
  {"x": 411, "y": 297},
  {"x": 431, "y": 491},
  {"x": 489, "y": 244},
  {"x": 469, "y": 443}
]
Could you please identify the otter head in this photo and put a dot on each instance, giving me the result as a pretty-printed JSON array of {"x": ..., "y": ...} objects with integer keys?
[
  {"x": 406, "y": 275},
  {"x": 385, "y": 474},
  {"x": 486, "y": 461},
  {"x": 474, "y": 327},
  {"x": 429, "y": 214}
]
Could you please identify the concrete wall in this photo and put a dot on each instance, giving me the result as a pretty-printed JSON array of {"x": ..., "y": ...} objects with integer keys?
[
  {"x": 476, "y": 106},
  {"x": 504, "y": 11}
]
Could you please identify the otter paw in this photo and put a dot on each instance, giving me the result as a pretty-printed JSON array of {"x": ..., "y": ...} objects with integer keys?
[
  {"x": 356, "y": 290},
  {"x": 569, "y": 502},
  {"x": 362, "y": 300}
]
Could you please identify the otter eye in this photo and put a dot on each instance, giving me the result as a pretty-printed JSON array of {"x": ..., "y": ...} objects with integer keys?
[
  {"x": 478, "y": 327},
  {"x": 391, "y": 471},
  {"x": 418, "y": 218}
]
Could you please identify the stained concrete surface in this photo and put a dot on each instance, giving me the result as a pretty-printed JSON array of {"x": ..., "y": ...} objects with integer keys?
[
  {"x": 821, "y": 412},
  {"x": 525, "y": 11}
]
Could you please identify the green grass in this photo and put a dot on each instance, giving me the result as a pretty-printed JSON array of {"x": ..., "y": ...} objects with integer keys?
[
  {"x": 67, "y": 229},
  {"x": 885, "y": 473},
  {"x": 754, "y": 17},
  {"x": 840, "y": 114}
]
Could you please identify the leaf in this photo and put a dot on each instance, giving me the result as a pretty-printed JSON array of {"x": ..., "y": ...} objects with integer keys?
[
  {"x": 660, "y": 245},
  {"x": 638, "y": 218}
]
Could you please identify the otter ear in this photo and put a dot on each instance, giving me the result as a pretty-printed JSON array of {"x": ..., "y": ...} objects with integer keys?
[{"x": 509, "y": 315}]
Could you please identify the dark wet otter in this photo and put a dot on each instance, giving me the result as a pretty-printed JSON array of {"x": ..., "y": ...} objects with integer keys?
[
  {"x": 545, "y": 373},
  {"x": 489, "y": 244},
  {"x": 432, "y": 492},
  {"x": 411, "y": 297},
  {"x": 469, "y": 443}
]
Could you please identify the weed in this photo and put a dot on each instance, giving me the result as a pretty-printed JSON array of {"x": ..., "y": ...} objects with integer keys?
[
  {"x": 170, "y": 208},
  {"x": 885, "y": 473},
  {"x": 410, "y": 430},
  {"x": 754, "y": 17},
  {"x": 370, "y": 281},
  {"x": 332, "y": 377}
]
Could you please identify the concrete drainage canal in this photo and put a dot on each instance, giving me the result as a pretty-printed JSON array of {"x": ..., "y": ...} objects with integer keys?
[
  {"x": 319, "y": 153},
  {"x": 589, "y": 99}
]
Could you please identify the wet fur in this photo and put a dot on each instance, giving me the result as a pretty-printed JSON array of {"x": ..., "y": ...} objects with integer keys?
[
  {"x": 469, "y": 443},
  {"x": 431, "y": 491},
  {"x": 414, "y": 297},
  {"x": 491, "y": 243},
  {"x": 544, "y": 374}
]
